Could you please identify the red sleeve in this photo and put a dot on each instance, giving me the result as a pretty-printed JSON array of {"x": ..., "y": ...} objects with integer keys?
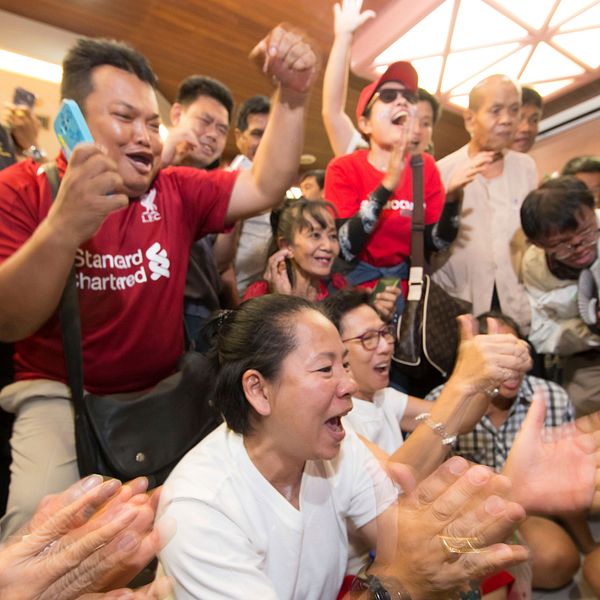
[
  {"x": 24, "y": 203},
  {"x": 256, "y": 289},
  {"x": 341, "y": 188},
  {"x": 205, "y": 195},
  {"x": 434, "y": 191}
]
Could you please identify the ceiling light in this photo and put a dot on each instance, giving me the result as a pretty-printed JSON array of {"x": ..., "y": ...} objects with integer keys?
[
  {"x": 547, "y": 63},
  {"x": 30, "y": 67},
  {"x": 461, "y": 65},
  {"x": 567, "y": 10},
  {"x": 546, "y": 44},
  {"x": 418, "y": 41},
  {"x": 477, "y": 24},
  {"x": 582, "y": 44}
]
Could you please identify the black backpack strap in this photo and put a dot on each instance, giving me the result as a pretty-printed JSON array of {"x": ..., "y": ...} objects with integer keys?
[{"x": 68, "y": 314}]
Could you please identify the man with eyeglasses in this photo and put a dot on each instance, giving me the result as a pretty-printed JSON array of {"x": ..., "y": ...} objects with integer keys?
[{"x": 560, "y": 221}]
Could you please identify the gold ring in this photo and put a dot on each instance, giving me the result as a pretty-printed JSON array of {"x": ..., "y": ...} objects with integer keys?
[{"x": 459, "y": 545}]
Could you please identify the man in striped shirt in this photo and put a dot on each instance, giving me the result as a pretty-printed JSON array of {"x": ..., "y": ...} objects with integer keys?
[{"x": 555, "y": 558}]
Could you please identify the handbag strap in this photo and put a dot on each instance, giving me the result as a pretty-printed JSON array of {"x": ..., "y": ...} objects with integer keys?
[
  {"x": 417, "y": 242},
  {"x": 68, "y": 314}
]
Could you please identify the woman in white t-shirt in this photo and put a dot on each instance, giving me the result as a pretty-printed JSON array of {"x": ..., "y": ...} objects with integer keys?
[
  {"x": 381, "y": 414},
  {"x": 262, "y": 504}
]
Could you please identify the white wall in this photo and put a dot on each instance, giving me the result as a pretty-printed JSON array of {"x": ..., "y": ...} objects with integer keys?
[{"x": 552, "y": 153}]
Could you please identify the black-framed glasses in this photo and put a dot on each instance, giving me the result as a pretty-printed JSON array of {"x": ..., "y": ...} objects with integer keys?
[
  {"x": 370, "y": 339},
  {"x": 389, "y": 95}
]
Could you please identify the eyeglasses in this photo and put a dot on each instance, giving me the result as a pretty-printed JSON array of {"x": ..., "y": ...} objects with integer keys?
[
  {"x": 387, "y": 96},
  {"x": 370, "y": 339},
  {"x": 587, "y": 237}
]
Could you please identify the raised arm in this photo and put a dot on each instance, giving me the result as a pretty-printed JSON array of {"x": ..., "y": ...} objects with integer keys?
[
  {"x": 483, "y": 362},
  {"x": 32, "y": 279},
  {"x": 340, "y": 129},
  {"x": 288, "y": 59}
]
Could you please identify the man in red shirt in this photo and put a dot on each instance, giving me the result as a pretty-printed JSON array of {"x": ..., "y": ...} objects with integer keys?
[{"x": 128, "y": 226}]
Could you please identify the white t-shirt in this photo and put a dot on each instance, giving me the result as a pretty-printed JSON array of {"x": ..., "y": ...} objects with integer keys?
[
  {"x": 379, "y": 421},
  {"x": 255, "y": 236},
  {"x": 237, "y": 537},
  {"x": 357, "y": 142}
]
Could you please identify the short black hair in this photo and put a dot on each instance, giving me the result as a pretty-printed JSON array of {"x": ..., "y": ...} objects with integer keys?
[
  {"x": 554, "y": 207},
  {"x": 499, "y": 316},
  {"x": 530, "y": 96},
  {"x": 87, "y": 54},
  {"x": 337, "y": 305},
  {"x": 424, "y": 96},
  {"x": 256, "y": 105},
  {"x": 582, "y": 164},
  {"x": 195, "y": 86},
  {"x": 318, "y": 174},
  {"x": 259, "y": 335}
]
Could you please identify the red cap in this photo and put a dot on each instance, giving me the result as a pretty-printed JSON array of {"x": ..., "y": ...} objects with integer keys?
[{"x": 401, "y": 71}]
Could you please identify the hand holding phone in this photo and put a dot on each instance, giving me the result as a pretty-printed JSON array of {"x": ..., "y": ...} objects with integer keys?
[
  {"x": 23, "y": 97},
  {"x": 386, "y": 282},
  {"x": 277, "y": 273},
  {"x": 70, "y": 127}
]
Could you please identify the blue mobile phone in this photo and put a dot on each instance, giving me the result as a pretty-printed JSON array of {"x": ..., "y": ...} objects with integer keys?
[{"x": 70, "y": 127}]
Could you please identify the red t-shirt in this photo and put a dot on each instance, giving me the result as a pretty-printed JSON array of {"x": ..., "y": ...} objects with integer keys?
[
  {"x": 349, "y": 181},
  {"x": 261, "y": 287},
  {"x": 130, "y": 275}
]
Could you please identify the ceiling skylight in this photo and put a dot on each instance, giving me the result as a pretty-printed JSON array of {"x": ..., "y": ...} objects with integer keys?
[{"x": 550, "y": 45}]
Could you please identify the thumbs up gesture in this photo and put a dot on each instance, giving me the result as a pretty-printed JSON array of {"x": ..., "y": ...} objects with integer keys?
[{"x": 485, "y": 361}]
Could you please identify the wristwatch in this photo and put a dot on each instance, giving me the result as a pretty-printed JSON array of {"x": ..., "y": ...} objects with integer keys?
[
  {"x": 387, "y": 588},
  {"x": 34, "y": 152}
]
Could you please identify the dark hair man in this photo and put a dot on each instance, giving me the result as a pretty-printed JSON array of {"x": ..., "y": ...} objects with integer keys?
[
  {"x": 252, "y": 120},
  {"x": 312, "y": 184},
  {"x": 586, "y": 169},
  {"x": 555, "y": 558},
  {"x": 250, "y": 237},
  {"x": 128, "y": 226},
  {"x": 560, "y": 220},
  {"x": 201, "y": 116},
  {"x": 531, "y": 113}
]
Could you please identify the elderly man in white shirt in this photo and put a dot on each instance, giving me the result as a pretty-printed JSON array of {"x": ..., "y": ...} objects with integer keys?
[{"x": 482, "y": 266}]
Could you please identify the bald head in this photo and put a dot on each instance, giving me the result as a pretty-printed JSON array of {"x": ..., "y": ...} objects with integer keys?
[
  {"x": 493, "y": 113},
  {"x": 478, "y": 93}
]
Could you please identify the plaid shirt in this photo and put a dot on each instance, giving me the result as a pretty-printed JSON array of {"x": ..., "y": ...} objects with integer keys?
[{"x": 489, "y": 446}]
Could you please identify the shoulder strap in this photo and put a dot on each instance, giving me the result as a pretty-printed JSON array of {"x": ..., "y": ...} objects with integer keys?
[
  {"x": 68, "y": 314},
  {"x": 417, "y": 243}
]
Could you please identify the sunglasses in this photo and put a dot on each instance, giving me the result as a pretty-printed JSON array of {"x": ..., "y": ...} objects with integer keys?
[{"x": 387, "y": 96}]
